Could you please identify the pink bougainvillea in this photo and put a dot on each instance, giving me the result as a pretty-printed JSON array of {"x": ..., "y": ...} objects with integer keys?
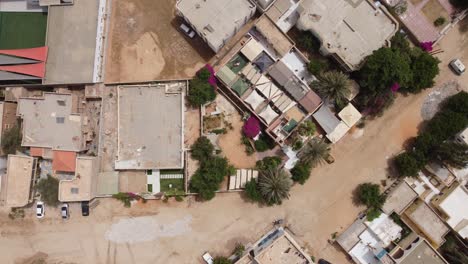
[
  {"x": 251, "y": 127},
  {"x": 395, "y": 87},
  {"x": 212, "y": 79},
  {"x": 426, "y": 46}
]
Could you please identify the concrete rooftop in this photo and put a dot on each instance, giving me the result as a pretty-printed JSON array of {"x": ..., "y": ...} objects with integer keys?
[
  {"x": 83, "y": 186},
  {"x": 18, "y": 180},
  {"x": 399, "y": 199},
  {"x": 71, "y": 38},
  {"x": 423, "y": 253},
  {"x": 48, "y": 122},
  {"x": 352, "y": 29},
  {"x": 150, "y": 133}
]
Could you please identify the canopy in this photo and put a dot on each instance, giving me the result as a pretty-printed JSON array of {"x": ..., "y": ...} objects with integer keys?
[
  {"x": 269, "y": 89},
  {"x": 268, "y": 114},
  {"x": 254, "y": 99},
  {"x": 226, "y": 75},
  {"x": 252, "y": 49}
]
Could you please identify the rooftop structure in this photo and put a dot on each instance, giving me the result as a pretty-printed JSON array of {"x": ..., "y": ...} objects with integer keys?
[
  {"x": 441, "y": 173},
  {"x": 17, "y": 182},
  {"x": 150, "y": 132},
  {"x": 426, "y": 222},
  {"x": 335, "y": 128},
  {"x": 83, "y": 185},
  {"x": 399, "y": 199},
  {"x": 279, "y": 42},
  {"x": 48, "y": 122},
  {"x": 23, "y": 64},
  {"x": 284, "y": 13},
  {"x": 276, "y": 247},
  {"x": 349, "y": 30},
  {"x": 420, "y": 251},
  {"x": 74, "y": 38},
  {"x": 216, "y": 21},
  {"x": 454, "y": 209}
]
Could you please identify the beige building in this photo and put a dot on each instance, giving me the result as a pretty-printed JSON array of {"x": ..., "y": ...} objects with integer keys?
[
  {"x": 17, "y": 183},
  {"x": 350, "y": 30},
  {"x": 82, "y": 187}
]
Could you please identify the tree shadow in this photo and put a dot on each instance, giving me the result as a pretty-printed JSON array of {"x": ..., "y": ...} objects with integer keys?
[{"x": 463, "y": 25}]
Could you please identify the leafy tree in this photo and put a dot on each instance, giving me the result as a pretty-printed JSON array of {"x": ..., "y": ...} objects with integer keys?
[
  {"x": 208, "y": 177},
  {"x": 333, "y": 86},
  {"x": 453, "y": 153},
  {"x": 48, "y": 188},
  {"x": 221, "y": 260},
  {"x": 306, "y": 128},
  {"x": 314, "y": 152},
  {"x": 202, "y": 149},
  {"x": 373, "y": 213},
  {"x": 252, "y": 192},
  {"x": 263, "y": 143},
  {"x": 298, "y": 144},
  {"x": 456, "y": 103},
  {"x": 200, "y": 92},
  {"x": 268, "y": 163},
  {"x": 125, "y": 198},
  {"x": 274, "y": 186},
  {"x": 425, "y": 68},
  {"x": 301, "y": 172},
  {"x": 308, "y": 41},
  {"x": 453, "y": 251},
  {"x": 317, "y": 66},
  {"x": 204, "y": 74},
  {"x": 400, "y": 43},
  {"x": 407, "y": 165},
  {"x": 11, "y": 140},
  {"x": 369, "y": 194}
]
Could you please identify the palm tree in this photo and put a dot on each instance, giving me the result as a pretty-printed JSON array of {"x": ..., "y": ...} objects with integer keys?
[
  {"x": 453, "y": 153},
  {"x": 333, "y": 85},
  {"x": 314, "y": 152},
  {"x": 274, "y": 186}
]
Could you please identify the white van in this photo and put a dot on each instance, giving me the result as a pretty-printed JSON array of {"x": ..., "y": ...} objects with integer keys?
[
  {"x": 187, "y": 30},
  {"x": 457, "y": 66}
]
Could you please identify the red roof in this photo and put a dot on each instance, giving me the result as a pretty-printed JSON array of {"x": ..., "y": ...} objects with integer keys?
[
  {"x": 39, "y": 54},
  {"x": 34, "y": 69},
  {"x": 36, "y": 152},
  {"x": 64, "y": 161}
]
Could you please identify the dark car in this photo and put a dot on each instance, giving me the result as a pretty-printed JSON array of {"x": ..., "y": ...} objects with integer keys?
[
  {"x": 85, "y": 208},
  {"x": 322, "y": 261}
]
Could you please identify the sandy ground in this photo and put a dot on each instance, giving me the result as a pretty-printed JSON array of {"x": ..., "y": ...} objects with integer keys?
[
  {"x": 181, "y": 232},
  {"x": 191, "y": 126},
  {"x": 145, "y": 43}
]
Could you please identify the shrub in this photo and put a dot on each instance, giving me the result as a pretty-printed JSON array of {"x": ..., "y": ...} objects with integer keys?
[
  {"x": 317, "y": 66},
  {"x": 202, "y": 149},
  {"x": 208, "y": 177},
  {"x": 48, "y": 188},
  {"x": 221, "y": 260},
  {"x": 179, "y": 198},
  {"x": 200, "y": 92},
  {"x": 301, "y": 172},
  {"x": 307, "y": 128},
  {"x": 308, "y": 42},
  {"x": 369, "y": 194},
  {"x": 297, "y": 145},
  {"x": 11, "y": 140},
  {"x": 439, "y": 21},
  {"x": 373, "y": 213},
  {"x": 268, "y": 163},
  {"x": 251, "y": 191},
  {"x": 125, "y": 198},
  {"x": 261, "y": 145}
]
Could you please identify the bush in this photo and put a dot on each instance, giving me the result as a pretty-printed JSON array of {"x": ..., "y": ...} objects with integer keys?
[
  {"x": 268, "y": 163},
  {"x": 407, "y": 165},
  {"x": 202, "y": 149},
  {"x": 373, "y": 213},
  {"x": 48, "y": 188},
  {"x": 317, "y": 66},
  {"x": 298, "y": 144},
  {"x": 11, "y": 140},
  {"x": 439, "y": 21},
  {"x": 200, "y": 92},
  {"x": 301, "y": 172},
  {"x": 307, "y": 128},
  {"x": 208, "y": 177},
  {"x": 251, "y": 191},
  {"x": 125, "y": 198},
  {"x": 261, "y": 145},
  {"x": 308, "y": 42},
  {"x": 369, "y": 194},
  {"x": 221, "y": 260}
]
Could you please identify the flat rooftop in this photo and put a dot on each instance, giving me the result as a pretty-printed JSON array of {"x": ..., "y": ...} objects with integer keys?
[
  {"x": 18, "y": 180},
  {"x": 82, "y": 186},
  {"x": 352, "y": 29},
  {"x": 423, "y": 253},
  {"x": 150, "y": 132},
  {"x": 428, "y": 222},
  {"x": 281, "y": 251},
  {"x": 71, "y": 38},
  {"x": 277, "y": 39},
  {"x": 399, "y": 199},
  {"x": 48, "y": 122},
  {"x": 454, "y": 206},
  {"x": 216, "y": 20}
]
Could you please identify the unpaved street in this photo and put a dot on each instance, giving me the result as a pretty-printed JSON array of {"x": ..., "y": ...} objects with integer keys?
[{"x": 157, "y": 232}]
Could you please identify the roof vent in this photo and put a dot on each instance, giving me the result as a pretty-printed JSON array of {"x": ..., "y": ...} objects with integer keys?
[
  {"x": 74, "y": 190},
  {"x": 60, "y": 120},
  {"x": 61, "y": 102}
]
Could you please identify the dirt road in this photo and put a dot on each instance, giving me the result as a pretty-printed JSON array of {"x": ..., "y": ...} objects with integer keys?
[{"x": 180, "y": 232}]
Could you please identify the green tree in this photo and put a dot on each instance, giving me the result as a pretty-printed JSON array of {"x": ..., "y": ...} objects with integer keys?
[
  {"x": 439, "y": 21},
  {"x": 48, "y": 188},
  {"x": 317, "y": 66},
  {"x": 268, "y": 163},
  {"x": 425, "y": 68},
  {"x": 453, "y": 251},
  {"x": 407, "y": 165},
  {"x": 457, "y": 103},
  {"x": 314, "y": 152},
  {"x": 11, "y": 140},
  {"x": 301, "y": 172},
  {"x": 373, "y": 213},
  {"x": 369, "y": 195},
  {"x": 453, "y": 153},
  {"x": 200, "y": 92},
  {"x": 400, "y": 43},
  {"x": 251, "y": 191},
  {"x": 202, "y": 149},
  {"x": 208, "y": 177},
  {"x": 333, "y": 86},
  {"x": 274, "y": 186},
  {"x": 221, "y": 260},
  {"x": 383, "y": 68},
  {"x": 306, "y": 128}
]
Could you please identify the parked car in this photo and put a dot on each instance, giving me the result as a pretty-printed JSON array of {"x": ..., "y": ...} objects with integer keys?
[
  {"x": 85, "y": 208},
  {"x": 40, "y": 209},
  {"x": 208, "y": 258},
  {"x": 187, "y": 30},
  {"x": 64, "y": 211},
  {"x": 457, "y": 66}
]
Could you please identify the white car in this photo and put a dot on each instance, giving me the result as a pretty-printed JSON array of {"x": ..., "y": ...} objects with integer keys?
[
  {"x": 64, "y": 211},
  {"x": 457, "y": 66},
  {"x": 40, "y": 209},
  {"x": 187, "y": 30},
  {"x": 208, "y": 258}
]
